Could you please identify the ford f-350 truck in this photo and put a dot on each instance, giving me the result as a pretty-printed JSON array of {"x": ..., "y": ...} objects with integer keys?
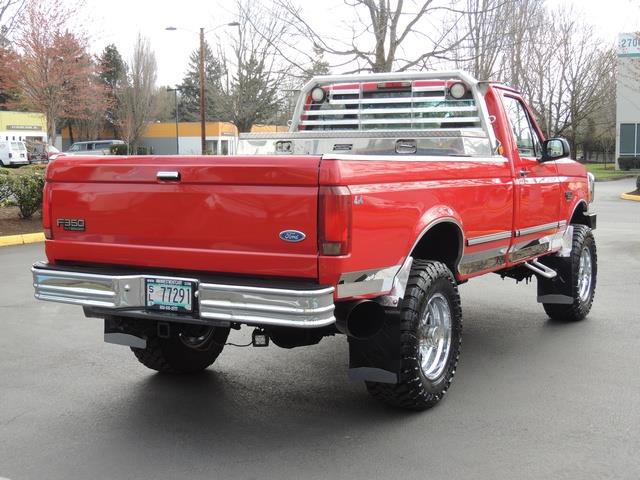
[{"x": 388, "y": 191}]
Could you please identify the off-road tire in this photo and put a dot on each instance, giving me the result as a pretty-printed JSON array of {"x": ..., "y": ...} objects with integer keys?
[
  {"x": 171, "y": 355},
  {"x": 415, "y": 391},
  {"x": 579, "y": 309}
]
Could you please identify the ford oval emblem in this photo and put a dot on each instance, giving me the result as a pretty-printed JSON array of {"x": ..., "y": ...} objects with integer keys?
[{"x": 292, "y": 236}]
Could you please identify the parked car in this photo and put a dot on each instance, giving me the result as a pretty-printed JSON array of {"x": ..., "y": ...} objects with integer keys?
[
  {"x": 96, "y": 147},
  {"x": 13, "y": 152},
  {"x": 42, "y": 152}
]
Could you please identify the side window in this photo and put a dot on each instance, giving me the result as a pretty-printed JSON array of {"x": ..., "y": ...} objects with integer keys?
[
  {"x": 526, "y": 137},
  {"x": 212, "y": 147}
]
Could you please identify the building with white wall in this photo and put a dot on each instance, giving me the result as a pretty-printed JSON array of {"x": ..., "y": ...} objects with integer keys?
[
  {"x": 628, "y": 97},
  {"x": 25, "y": 126}
]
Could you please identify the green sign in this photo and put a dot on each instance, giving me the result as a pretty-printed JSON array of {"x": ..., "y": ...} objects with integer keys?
[{"x": 24, "y": 127}]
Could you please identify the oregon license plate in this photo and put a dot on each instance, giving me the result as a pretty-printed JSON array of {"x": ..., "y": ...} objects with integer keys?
[{"x": 169, "y": 295}]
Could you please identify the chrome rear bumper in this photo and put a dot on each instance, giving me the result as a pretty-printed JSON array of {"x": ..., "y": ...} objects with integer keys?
[{"x": 252, "y": 305}]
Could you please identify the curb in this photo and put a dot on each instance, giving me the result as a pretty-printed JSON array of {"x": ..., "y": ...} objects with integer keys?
[
  {"x": 613, "y": 179},
  {"x": 628, "y": 196},
  {"x": 8, "y": 240}
]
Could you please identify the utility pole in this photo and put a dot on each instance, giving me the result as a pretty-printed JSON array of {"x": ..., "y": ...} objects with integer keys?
[
  {"x": 203, "y": 125},
  {"x": 203, "y": 133}
]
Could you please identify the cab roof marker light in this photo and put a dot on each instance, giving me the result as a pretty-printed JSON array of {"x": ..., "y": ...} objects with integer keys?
[
  {"x": 318, "y": 95},
  {"x": 458, "y": 90}
]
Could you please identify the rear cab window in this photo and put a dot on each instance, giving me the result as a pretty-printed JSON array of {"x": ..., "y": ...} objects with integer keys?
[
  {"x": 526, "y": 137},
  {"x": 451, "y": 126}
]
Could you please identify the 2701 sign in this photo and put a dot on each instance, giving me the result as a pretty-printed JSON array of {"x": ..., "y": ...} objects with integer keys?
[{"x": 629, "y": 45}]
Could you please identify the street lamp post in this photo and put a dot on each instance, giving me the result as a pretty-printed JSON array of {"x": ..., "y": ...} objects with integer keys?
[
  {"x": 203, "y": 126},
  {"x": 203, "y": 133},
  {"x": 175, "y": 94}
]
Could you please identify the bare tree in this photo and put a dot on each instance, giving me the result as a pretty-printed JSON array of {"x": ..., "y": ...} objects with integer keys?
[
  {"x": 254, "y": 67},
  {"x": 381, "y": 29},
  {"x": 50, "y": 69},
  {"x": 10, "y": 10},
  {"x": 136, "y": 98},
  {"x": 524, "y": 23},
  {"x": 551, "y": 55},
  {"x": 565, "y": 72},
  {"x": 484, "y": 39}
]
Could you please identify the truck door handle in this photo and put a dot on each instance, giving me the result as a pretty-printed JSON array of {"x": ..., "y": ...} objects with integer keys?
[
  {"x": 168, "y": 176},
  {"x": 524, "y": 172}
]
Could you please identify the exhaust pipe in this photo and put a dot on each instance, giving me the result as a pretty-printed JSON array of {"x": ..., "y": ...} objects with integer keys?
[{"x": 361, "y": 319}]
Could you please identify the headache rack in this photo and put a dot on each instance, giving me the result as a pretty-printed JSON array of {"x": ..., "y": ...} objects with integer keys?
[{"x": 384, "y": 113}]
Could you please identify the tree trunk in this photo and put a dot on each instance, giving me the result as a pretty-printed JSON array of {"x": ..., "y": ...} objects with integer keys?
[{"x": 51, "y": 129}]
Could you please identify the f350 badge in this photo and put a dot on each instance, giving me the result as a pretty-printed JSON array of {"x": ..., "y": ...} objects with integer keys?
[
  {"x": 72, "y": 224},
  {"x": 292, "y": 236}
]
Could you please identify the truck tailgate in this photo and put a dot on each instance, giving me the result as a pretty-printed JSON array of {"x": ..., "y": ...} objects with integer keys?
[{"x": 223, "y": 214}]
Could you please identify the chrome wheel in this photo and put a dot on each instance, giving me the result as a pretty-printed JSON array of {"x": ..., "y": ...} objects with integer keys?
[
  {"x": 434, "y": 337},
  {"x": 585, "y": 270},
  {"x": 197, "y": 339}
]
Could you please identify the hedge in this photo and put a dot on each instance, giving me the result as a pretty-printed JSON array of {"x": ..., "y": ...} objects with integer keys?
[
  {"x": 5, "y": 191},
  {"x": 121, "y": 149},
  {"x": 26, "y": 188},
  {"x": 627, "y": 163}
]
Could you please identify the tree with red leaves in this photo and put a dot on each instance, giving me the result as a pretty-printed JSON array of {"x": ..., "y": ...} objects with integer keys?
[{"x": 49, "y": 68}]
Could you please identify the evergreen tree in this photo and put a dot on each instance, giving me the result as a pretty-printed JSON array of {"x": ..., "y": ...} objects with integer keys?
[
  {"x": 113, "y": 76},
  {"x": 189, "y": 107},
  {"x": 252, "y": 98}
]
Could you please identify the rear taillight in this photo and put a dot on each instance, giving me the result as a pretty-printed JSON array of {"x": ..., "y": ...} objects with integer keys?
[
  {"x": 335, "y": 221},
  {"x": 46, "y": 211}
]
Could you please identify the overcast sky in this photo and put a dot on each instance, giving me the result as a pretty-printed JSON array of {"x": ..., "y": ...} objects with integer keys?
[{"x": 119, "y": 21}]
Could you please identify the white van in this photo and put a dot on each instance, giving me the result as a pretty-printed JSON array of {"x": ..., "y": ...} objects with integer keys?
[
  {"x": 13, "y": 152},
  {"x": 95, "y": 147}
]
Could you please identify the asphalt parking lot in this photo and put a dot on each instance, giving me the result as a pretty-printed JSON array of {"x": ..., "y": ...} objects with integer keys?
[{"x": 531, "y": 399}]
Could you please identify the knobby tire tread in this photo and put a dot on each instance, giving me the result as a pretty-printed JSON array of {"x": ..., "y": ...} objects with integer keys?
[
  {"x": 410, "y": 392},
  {"x": 578, "y": 310}
]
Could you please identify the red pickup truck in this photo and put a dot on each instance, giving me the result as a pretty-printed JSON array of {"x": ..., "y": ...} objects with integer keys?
[{"x": 388, "y": 191}]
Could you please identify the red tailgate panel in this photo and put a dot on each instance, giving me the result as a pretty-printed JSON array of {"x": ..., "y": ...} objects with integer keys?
[{"x": 224, "y": 215}]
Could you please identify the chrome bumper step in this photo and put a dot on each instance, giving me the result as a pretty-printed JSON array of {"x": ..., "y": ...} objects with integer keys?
[{"x": 251, "y": 305}]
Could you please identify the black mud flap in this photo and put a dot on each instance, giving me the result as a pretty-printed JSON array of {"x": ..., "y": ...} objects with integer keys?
[
  {"x": 590, "y": 219},
  {"x": 377, "y": 359},
  {"x": 556, "y": 290},
  {"x": 123, "y": 332}
]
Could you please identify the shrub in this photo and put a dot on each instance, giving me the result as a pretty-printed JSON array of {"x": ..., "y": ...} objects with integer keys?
[
  {"x": 39, "y": 167},
  {"x": 5, "y": 188},
  {"x": 627, "y": 163},
  {"x": 27, "y": 190},
  {"x": 118, "y": 149},
  {"x": 121, "y": 149}
]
